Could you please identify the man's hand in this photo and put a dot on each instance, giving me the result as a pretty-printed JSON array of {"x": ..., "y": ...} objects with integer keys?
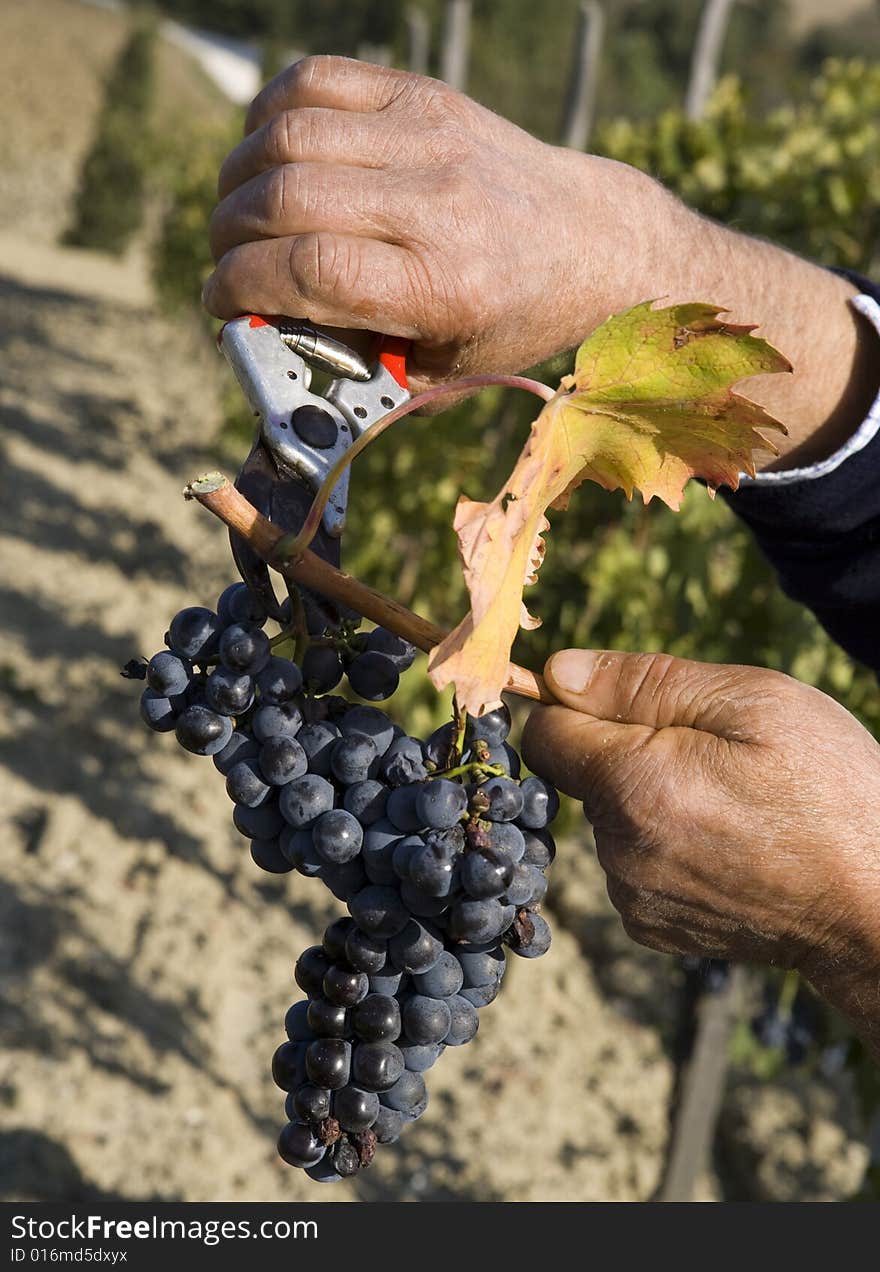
[
  {"x": 736, "y": 812},
  {"x": 368, "y": 197},
  {"x": 364, "y": 197}
]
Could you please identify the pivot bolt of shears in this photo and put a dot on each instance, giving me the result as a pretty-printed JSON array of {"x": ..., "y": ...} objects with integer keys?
[{"x": 315, "y": 426}]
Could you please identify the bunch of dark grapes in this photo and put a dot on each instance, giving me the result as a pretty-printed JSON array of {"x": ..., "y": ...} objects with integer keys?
[{"x": 438, "y": 848}]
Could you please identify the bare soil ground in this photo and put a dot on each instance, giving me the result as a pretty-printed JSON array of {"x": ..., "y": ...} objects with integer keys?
[{"x": 145, "y": 963}]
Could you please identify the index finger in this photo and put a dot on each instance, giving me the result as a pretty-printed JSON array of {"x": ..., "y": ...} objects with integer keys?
[{"x": 341, "y": 83}]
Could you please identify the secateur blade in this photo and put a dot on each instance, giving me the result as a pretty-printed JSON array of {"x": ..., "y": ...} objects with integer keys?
[
  {"x": 285, "y": 501},
  {"x": 302, "y": 434}
]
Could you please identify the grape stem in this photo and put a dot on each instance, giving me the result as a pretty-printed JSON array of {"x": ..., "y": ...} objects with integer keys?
[
  {"x": 294, "y": 544},
  {"x": 471, "y": 769},
  {"x": 216, "y": 493}
]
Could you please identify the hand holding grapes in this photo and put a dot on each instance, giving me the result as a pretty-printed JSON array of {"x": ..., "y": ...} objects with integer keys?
[{"x": 735, "y": 812}]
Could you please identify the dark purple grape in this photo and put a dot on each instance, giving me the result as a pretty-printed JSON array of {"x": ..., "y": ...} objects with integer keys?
[
  {"x": 365, "y": 953},
  {"x": 245, "y": 785},
  {"x": 267, "y": 854},
  {"x": 442, "y": 980},
  {"x": 194, "y": 633},
  {"x": 279, "y": 681},
  {"x": 288, "y": 1065},
  {"x": 403, "y": 762},
  {"x": 202, "y": 731},
  {"x": 415, "y": 949},
  {"x": 238, "y": 604},
  {"x": 424, "y": 1019},
  {"x": 530, "y": 936},
  {"x": 377, "y": 1018},
  {"x": 244, "y": 650},
  {"x": 282, "y": 760},
  {"x": 353, "y": 758},
  {"x": 540, "y": 803},
  {"x": 343, "y": 987},
  {"x": 492, "y": 727},
  {"x": 327, "y": 1020},
  {"x": 377, "y": 852},
  {"x": 477, "y": 921},
  {"x": 241, "y": 746},
  {"x": 328, "y": 1063},
  {"x": 485, "y": 874},
  {"x": 168, "y": 674},
  {"x": 371, "y": 723},
  {"x": 373, "y": 676},
  {"x": 318, "y": 740},
  {"x": 420, "y": 904},
  {"x": 401, "y": 809},
  {"x": 434, "y": 868},
  {"x": 337, "y": 836},
  {"x": 310, "y": 969},
  {"x": 335, "y": 936},
  {"x": 297, "y": 847},
  {"x": 158, "y": 713},
  {"x": 284, "y": 720},
  {"x": 379, "y": 911},
  {"x": 355, "y": 1109},
  {"x": 527, "y": 886},
  {"x": 388, "y": 1125},
  {"x": 400, "y": 651},
  {"x": 464, "y": 1021},
  {"x": 311, "y": 1103},
  {"x": 366, "y": 801},
  {"x": 263, "y": 822},
  {"x": 377, "y": 1065},
  {"x": 299, "y": 1146},
  {"x": 229, "y": 693},
  {"x": 438, "y": 748},
  {"x": 321, "y": 669},
  {"x": 407, "y": 1093},
  {"x": 324, "y": 1172},
  {"x": 305, "y": 799},
  {"x": 440, "y": 803},
  {"x": 296, "y": 1024},
  {"x": 419, "y": 1057},
  {"x": 505, "y": 799},
  {"x": 346, "y": 879}
]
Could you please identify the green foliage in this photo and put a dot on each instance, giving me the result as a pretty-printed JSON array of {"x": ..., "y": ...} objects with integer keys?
[
  {"x": 109, "y": 205},
  {"x": 181, "y": 254},
  {"x": 805, "y": 175}
]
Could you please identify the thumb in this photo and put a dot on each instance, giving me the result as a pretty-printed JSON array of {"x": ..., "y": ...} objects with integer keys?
[
  {"x": 603, "y": 743},
  {"x": 656, "y": 691}
]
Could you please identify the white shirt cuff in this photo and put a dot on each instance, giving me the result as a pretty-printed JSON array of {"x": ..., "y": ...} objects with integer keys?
[{"x": 866, "y": 431}]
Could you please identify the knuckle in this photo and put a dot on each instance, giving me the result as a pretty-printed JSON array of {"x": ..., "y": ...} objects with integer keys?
[
  {"x": 322, "y": 267},
  {"x": 308, "y": 70},
  {"x": 279, "y": 138}
]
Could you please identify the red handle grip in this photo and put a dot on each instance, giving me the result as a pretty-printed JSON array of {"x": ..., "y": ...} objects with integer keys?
[{"x": 393, "y": 351}]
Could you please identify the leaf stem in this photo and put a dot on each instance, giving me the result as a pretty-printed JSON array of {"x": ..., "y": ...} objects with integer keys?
[
  {"x": 293, "y": 544},
  {"x": 216, "y": 493}
]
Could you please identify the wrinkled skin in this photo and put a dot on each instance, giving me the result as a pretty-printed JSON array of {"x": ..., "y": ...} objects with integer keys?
[
  {"x": 736, "y": 811},
  {"x": 367, "y": 197}
]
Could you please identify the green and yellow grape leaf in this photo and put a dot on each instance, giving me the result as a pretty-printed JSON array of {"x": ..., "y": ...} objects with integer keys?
[{"x": 650, "y": 405}]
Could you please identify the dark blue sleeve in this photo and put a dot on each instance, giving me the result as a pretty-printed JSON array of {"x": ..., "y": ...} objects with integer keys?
[{"x": 822, "y": 536}]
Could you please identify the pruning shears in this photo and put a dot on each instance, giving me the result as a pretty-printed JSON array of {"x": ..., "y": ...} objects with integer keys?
[{"x": 301, "y": 434}]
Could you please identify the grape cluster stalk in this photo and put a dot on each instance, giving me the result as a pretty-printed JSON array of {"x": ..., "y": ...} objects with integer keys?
[{"x": 438, "y": 847}]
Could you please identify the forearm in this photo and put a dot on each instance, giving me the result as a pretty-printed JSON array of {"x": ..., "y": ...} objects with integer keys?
[{"x": 664, "y": 249}]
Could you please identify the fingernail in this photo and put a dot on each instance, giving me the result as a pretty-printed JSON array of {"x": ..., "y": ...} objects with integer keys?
[{"x": 572, "y": 669}]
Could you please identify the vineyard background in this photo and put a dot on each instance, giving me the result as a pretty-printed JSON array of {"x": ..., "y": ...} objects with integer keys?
[{"x": 146, "y": 969}]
